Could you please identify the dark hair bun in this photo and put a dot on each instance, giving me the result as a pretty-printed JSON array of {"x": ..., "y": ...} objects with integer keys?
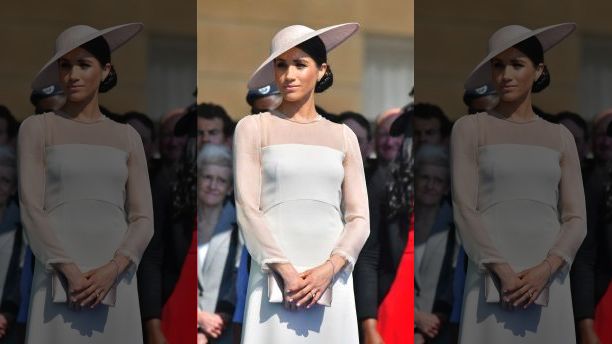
[
  {"x": 326, "y": 81},
  {"x": 109, "y": 82},
  {"x": 542, "y": 82}
]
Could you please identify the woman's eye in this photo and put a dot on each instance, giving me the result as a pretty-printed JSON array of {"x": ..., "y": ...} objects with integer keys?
[{"x": 281, "y": 64}]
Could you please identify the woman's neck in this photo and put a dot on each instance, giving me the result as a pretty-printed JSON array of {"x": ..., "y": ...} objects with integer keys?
[
  {"x": 210, "y": 214},
  {"x": 520, "y": 110},
  {"x": 299, "y": 111},
  {"x": 86, "y": 111}
]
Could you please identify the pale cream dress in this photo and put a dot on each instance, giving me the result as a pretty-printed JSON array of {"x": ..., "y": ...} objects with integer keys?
[
  {"x": 84, "y": 194},
  {"x": 301, "y": 197},
  {"x": 518, "y": 197}
]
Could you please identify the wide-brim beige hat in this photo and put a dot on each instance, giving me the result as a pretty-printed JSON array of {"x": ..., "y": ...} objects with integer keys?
[
  {"x": 77, "y": 35},
  {"x": 508, "y": 36},
  {"x": 293, "y": 35}
]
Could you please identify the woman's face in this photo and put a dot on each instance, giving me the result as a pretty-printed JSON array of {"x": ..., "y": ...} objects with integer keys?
[
  {"x": 514, "y": 74},
  {"x": 430, "y": 184},
  {"x": 81, "y": 74},
  {"x": 296, "y": 74},
  {"x": 214, "y": 184}
]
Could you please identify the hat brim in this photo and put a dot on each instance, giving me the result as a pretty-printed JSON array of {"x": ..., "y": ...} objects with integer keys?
[
  {"x": 548, "y": 36},
  {"x": 115, "y": 36},
  {"x": 332, "y": 36}
]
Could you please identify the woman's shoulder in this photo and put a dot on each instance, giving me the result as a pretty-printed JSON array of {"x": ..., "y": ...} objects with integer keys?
[
  {"x": 346, "y": 132},
  {"x": 251, "y": 121},
  {"x": 468, "y": 123},
  {"x": 34, "y": 122}
]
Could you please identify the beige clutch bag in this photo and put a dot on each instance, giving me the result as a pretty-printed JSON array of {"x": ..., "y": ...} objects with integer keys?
[
  {"x": 59, "y": 288},
  {"x": 276, "y": 286},
  {"x": 492, "y": 287}
]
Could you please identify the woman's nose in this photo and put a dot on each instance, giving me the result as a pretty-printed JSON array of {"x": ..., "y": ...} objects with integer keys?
[
  {"x": 291, "y": 72},
  {"x": 507, "y": 75},
  {"x": 73, "y": 74}
]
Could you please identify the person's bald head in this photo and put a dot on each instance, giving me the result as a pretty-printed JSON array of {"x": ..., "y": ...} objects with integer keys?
[
  {"x": 387, "y": 146},
  {"x": 171, "y": 146}
]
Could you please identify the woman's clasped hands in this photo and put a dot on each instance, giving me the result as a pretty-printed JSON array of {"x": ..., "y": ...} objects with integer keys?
[
  {"x": 303, "y": 290},
  {"x": 88, "y": 289},
  {"x": 523, "y": 288}
]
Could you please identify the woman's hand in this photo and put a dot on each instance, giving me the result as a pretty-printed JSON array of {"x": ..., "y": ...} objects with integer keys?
[
  {"x": 510, "y": 283},
  {"x": 317, "y": 280},
  {"x": 587, "y": 333},
  {"x": 202, "y": 338},
  {"x": 154, "y": 332},
  {"x": 4, "y": 325},
  {"x": 291, "y": 280},
  {"x": 419, "y": 338},
  {"x": 428, "y": 323},
  {"x": 535, "y": 280},
  {"x": 370, "y": 333},
  {"x": 77, "y": 283},
  {"x": 211, "y": 323},
  {"x": 102, "y": 279}
]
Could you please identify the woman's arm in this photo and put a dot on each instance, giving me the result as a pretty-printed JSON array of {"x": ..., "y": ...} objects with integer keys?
[
  {"x": 355, "y": 205},
  {"x": 259, "y": 240},
  {"x": 139, "y": 205},
  {"x": 571, "y": 203},
  {"x": 465, "y": 178},
  {"x": 32, "y": 179}
]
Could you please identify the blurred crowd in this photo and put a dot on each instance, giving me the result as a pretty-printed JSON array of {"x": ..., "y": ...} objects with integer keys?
[{"x": 189, "y": 152}]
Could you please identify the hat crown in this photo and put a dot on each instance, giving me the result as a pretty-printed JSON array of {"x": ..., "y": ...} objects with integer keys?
[
  {"x": 72, "y": 35},
  {"x": 288, "y": 35},
  {"x": 501, "y": 37}
]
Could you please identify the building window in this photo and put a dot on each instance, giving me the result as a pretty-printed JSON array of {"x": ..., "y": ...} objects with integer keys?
[
  {"x": 595, "y": 88},
  {"x": 388, "y": 73},
  {"x": 171, "y": 77}
]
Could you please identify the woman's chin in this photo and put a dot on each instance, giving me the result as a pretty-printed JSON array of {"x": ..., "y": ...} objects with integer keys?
[{"x": 293, "y": 97}]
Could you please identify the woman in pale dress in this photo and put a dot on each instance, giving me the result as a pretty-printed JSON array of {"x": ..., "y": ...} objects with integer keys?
[
  {"x": 85, "y": 199},
  {"x": 518, "y": 200},
  {"x": 301, "y": 200}
]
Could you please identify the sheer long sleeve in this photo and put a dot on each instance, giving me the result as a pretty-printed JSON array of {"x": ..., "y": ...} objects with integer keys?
[
  {"x": 572, "y": 207},
  {"x": 31, "y": 167},
  {"x": 139, "y": 205},
  {"x": 354, "y": 203},
  {"x": 464, "y": 179},
  {"x": 261, "y": 243}
]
